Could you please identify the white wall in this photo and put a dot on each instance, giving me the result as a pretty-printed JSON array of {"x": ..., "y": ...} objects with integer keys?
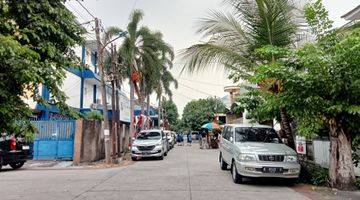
[
  {"x": 71, "y": 87},
  {"x": 29, "y": 101},
  {"x": 88, "y": 93},
  {"x": 88, "y": 60}
]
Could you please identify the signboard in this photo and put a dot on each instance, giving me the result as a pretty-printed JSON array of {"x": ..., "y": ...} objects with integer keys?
[
  {"x": 301, "y": 146},
  {"x": 124, "y": 108}
]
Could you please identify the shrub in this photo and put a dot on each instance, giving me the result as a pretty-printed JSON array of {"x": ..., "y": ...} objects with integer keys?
[
  {"x": 94, "y": 115},
  {"x": 314, "y": 174},
  {"x": 357, "y": 182}
]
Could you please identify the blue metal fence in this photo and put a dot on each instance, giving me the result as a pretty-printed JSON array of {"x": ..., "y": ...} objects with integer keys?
[{"x": 54, "y": 140}]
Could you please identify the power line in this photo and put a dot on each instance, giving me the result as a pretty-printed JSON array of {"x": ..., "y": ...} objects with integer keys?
[
  {"x": 86, "y": 9},
  {"x": 202, "y": 82},
  {"x": 195, "y": 89},
  {"x": 184, "y": 96},
  {"x": 78, "y": 12},
  {"x": 134, "y": 4}
]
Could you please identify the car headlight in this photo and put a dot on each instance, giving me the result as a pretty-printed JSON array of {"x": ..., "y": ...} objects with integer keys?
[
  {"x": 291, "y": 159},
  {"x": 247, "y": 157}
]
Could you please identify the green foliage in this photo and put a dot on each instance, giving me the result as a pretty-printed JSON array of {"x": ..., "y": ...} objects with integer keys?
[
  {"x": 35, "y": 48},
  {"x": 260, "y": 106},
  {"x": 356, "y": 150},
  {"x": 145, "y": 51},
  {"x": 171, "y": 112},
  {"x": 314, "y": 174},
  {"x": 235, "y": 35},
  {"x": 198, "y": 112},
  {"x": 94, "y": 115},
  {"x": 317, "y": 17},
  {"x": 357, "y": 183}
]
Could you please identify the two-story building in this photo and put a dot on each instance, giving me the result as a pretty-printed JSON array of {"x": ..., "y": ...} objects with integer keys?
[{"x": 82, "y": 87}]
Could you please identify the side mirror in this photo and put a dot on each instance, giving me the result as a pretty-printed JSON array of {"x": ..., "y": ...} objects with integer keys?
[{"x": 231, "y": 139}]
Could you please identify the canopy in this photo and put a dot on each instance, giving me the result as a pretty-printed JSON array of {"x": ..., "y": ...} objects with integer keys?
[{"x": 211, "y": 126}]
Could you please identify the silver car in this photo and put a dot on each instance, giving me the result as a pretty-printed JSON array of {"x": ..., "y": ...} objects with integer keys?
[
  {"x": 256, "y": 151},
  {"x": 149, "y": 143}
]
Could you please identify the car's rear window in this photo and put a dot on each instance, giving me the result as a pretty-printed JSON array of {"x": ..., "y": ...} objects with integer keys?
[
  {"x": 254, "y": 134},
  {"x": 149, "y": 136}
]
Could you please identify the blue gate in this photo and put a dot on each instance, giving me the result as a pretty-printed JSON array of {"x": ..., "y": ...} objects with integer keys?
[{"x": 54, "y": 140}]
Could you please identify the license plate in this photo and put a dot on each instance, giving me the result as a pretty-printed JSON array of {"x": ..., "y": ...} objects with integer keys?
[
  {"x": 145, "y": 153},
  {"x": 272, "y": 170},
  {"x": 25, "y": 147}
]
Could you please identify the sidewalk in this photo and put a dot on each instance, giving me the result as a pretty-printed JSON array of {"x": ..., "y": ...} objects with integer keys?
[{"x": 58, "y": 165}]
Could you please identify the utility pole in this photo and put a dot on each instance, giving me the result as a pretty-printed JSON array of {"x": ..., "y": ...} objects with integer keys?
[
  {"x": 103, "y": 92},
  {"x": 113, "y": 104}
]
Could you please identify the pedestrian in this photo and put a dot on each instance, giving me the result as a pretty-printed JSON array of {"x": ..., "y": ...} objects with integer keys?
[
  {"x": 203, "y": 139},
  {"x": 200, "y": 140},
  {"x": 189, "y": 139},
  {"x": 179, "y": 138},
  {"x": 207, "y": 143}
]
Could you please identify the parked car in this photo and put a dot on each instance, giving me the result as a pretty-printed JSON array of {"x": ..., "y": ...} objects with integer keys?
[
  {"x": 14, "y": 152},
  {"x": 171, "y": 138},
  {"x": 149, "y": 143},
  {"x": 256, "y": 151}
]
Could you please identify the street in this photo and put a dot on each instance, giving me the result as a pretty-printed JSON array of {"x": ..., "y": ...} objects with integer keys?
[{"x": 186, "y": 173}]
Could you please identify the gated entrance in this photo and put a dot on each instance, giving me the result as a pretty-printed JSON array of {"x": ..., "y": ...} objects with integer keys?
[{"x": 54, "y": 140}]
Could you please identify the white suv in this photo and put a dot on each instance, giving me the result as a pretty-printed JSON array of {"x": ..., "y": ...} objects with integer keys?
[
  {"x": 149, "y": 143},
  {"x": 256, "y": 151}
]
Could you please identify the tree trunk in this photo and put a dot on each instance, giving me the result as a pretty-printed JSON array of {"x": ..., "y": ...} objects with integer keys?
[
  {"x": 113, "y": 122},
  {"x": 286, "y": 127},
  {"x": 148, "y": 110},
  {"x": 119, "y": 133},
  {"x": 132, "y": 128},
  {"x": 159, "y": 113},
  {"x": 341, "y": 171}
]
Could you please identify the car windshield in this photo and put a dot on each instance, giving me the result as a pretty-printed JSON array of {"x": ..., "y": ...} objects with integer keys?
[
  {"x": 149, "y": 136},
  {"x": 266, "y": 135}
]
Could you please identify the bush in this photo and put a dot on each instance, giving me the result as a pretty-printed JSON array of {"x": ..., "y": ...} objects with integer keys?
[
  {"x": 357, "y": 182},
  {"x": 314, "y": 174},
  {"x": 94, "y": 115}
]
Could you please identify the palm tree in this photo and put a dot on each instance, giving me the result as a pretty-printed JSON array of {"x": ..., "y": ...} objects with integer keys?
[
  {"x": 236, "y": 35},
  {"x": 140, "y": 55}
]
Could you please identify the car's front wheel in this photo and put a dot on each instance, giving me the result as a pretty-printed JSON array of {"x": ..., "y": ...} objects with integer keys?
[
  {"x": 165, "y": 153},
  {"x": 133, "y": 158},
  {"x": 161, "y": 157},
  {"x": 223, "y": 164},
  {"x": 235, "y": 175},
  {"x": 16, "y": 165}
]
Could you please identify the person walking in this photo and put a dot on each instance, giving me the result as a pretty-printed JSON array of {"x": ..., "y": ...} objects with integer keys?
[
  {"x": 203, "y": 139},
  {"x": 200, "y": 140},
  {"x": 189, "y": 139}
]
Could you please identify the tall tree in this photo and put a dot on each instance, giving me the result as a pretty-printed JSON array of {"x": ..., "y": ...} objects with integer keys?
[
  {"x": 146, "y": 56},
  {"x": 171, "y": 112},
  {"x": 321, "y": 88},
  {"x": 235, "y": 36},
  {"x": 36, "y": 48},
  {"x": 198, "y": 112}
]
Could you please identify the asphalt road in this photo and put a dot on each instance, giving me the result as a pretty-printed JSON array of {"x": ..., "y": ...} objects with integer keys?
[{"x": 187, "y": 173}]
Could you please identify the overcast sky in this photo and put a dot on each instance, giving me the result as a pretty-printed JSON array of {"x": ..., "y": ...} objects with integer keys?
[{"x": 176, "y": 19}]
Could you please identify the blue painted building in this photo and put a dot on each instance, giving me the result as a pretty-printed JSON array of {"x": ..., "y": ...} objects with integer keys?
[{"x": 82, "y": 87}]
